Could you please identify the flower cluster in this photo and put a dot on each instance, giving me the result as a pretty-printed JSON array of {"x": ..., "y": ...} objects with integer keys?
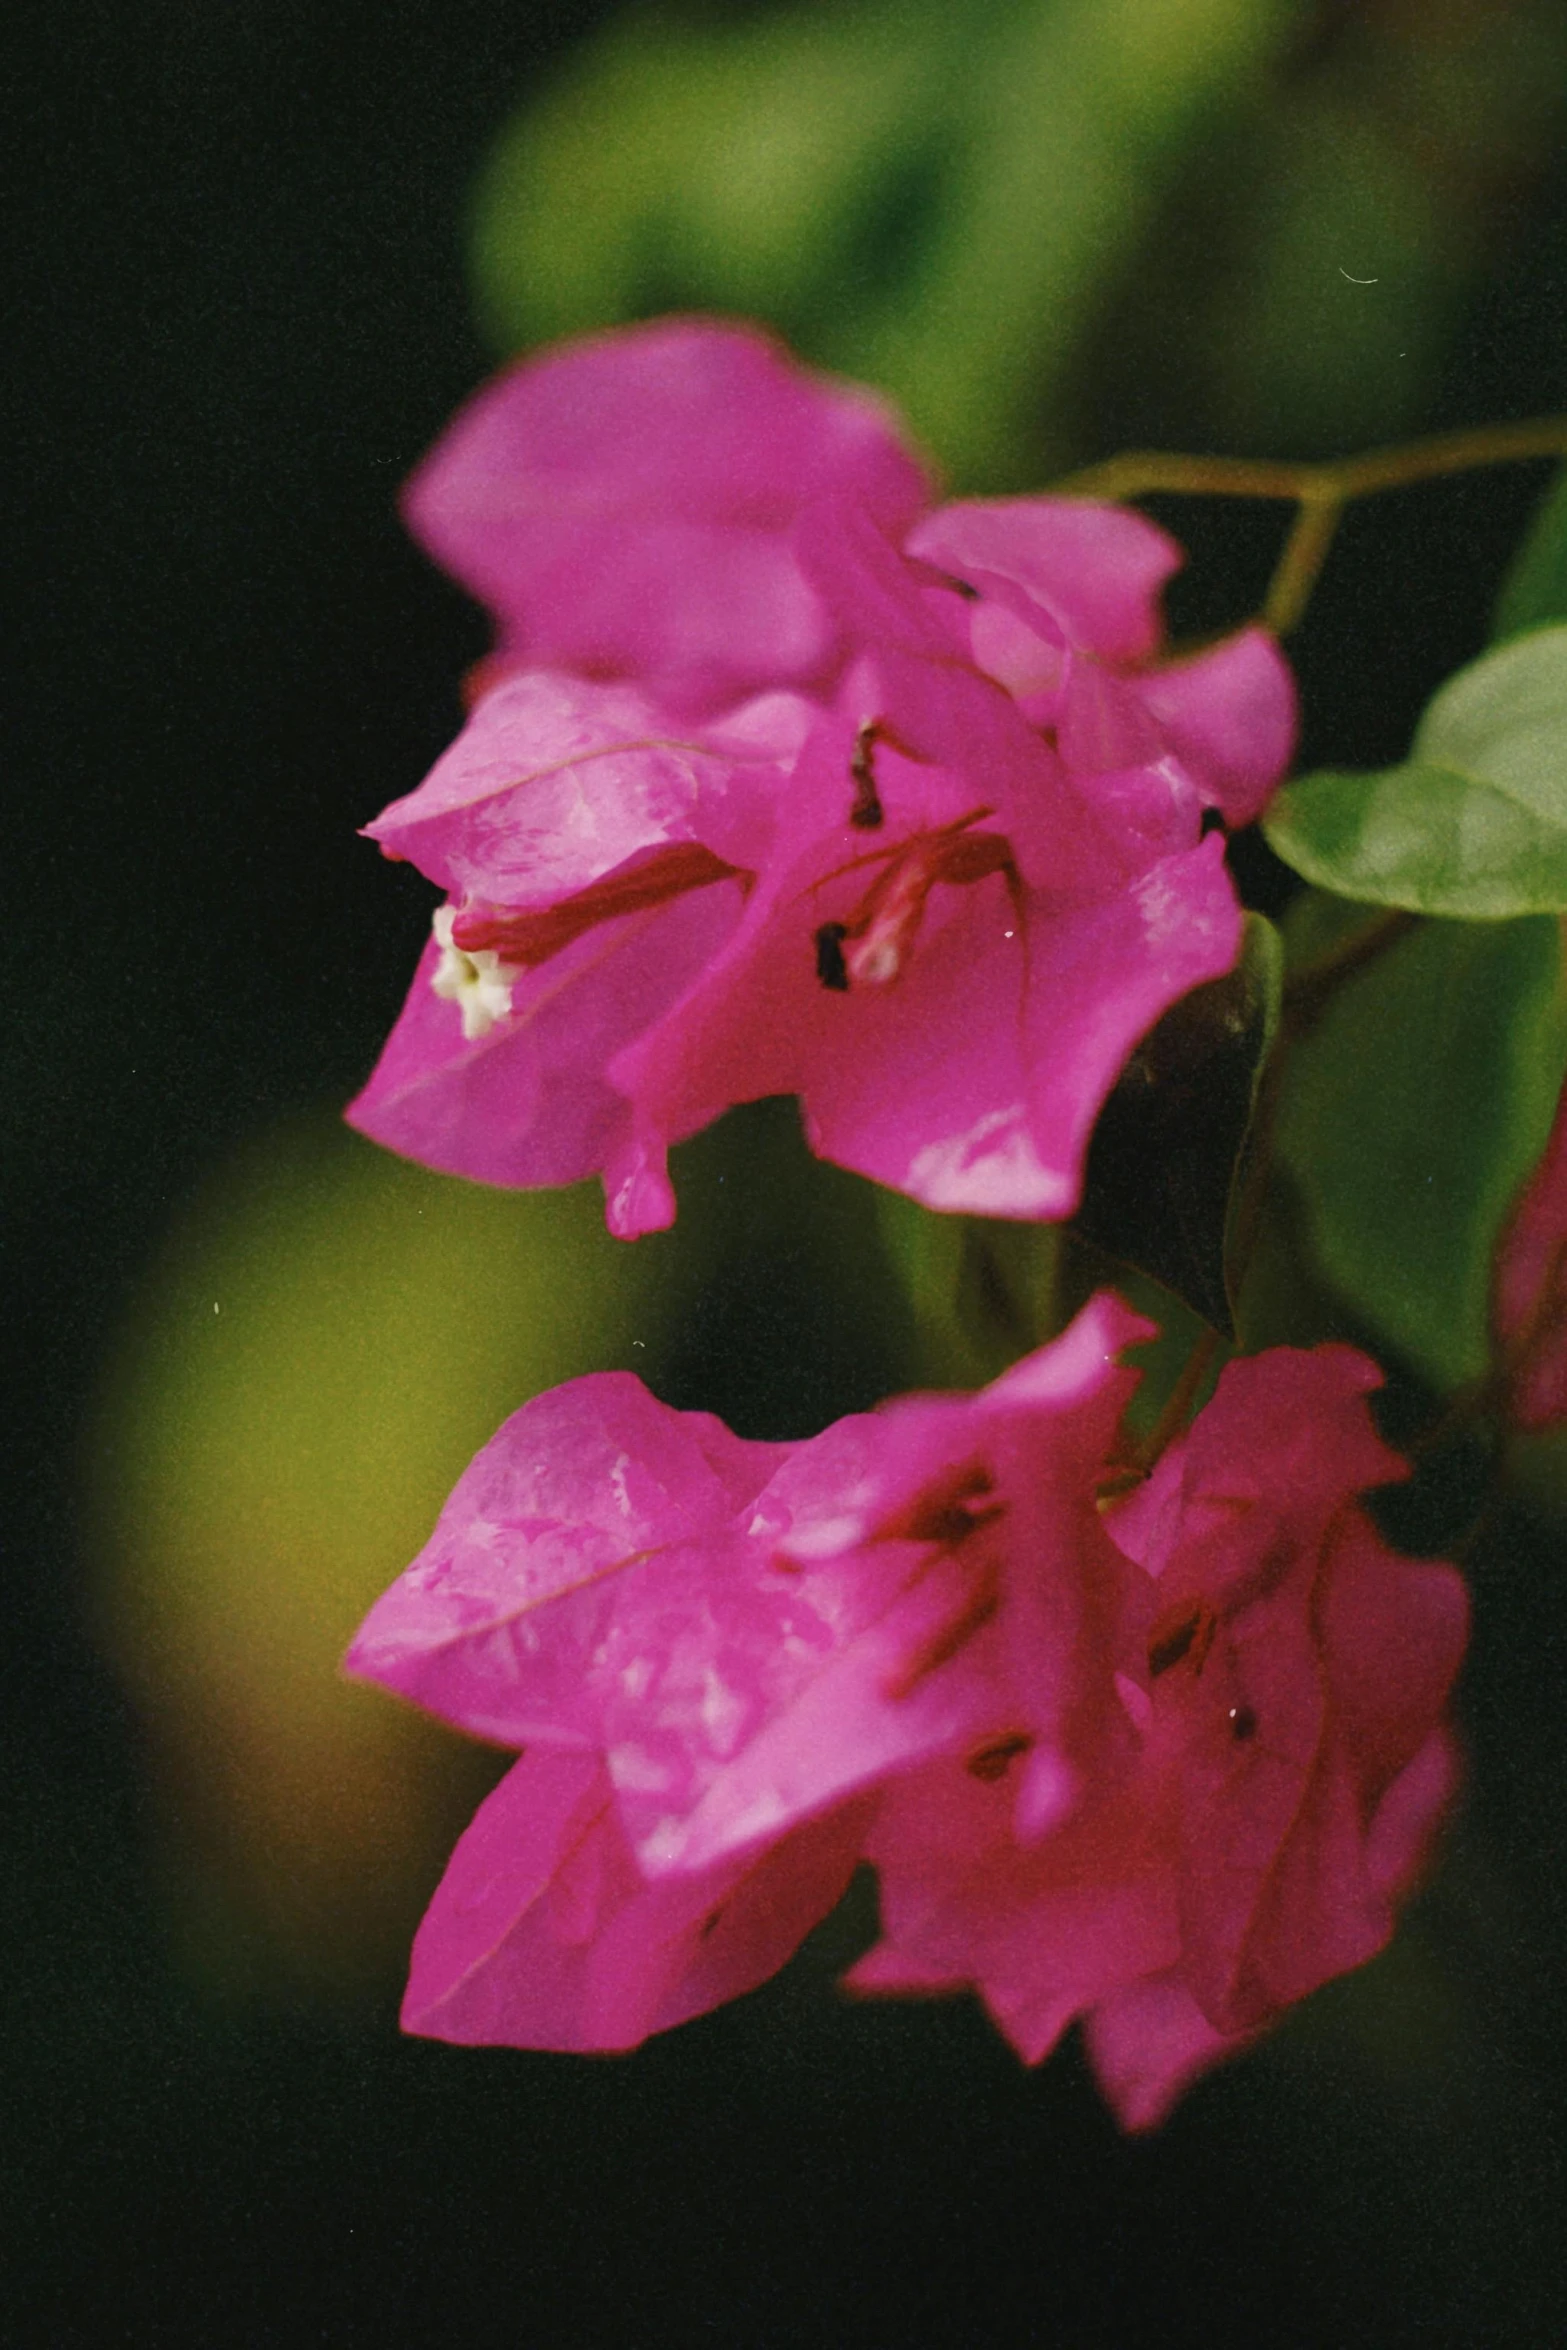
[
  {"x": 1164, "y": 1765},
  {"x": 784, "y": 779}
]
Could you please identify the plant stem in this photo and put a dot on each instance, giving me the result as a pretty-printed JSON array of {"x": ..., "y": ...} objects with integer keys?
[
  {"x": 1321, "y": 491},
  {"x": 1138, "y": 473},
  {"x": 1296, "y": 573}
]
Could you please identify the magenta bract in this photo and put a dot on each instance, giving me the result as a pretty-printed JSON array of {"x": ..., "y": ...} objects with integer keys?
[
  {"x": 1167, "y": 1781},
  {"x": 1287, "y": 1693},
  {"x": 623, "y": 505},
  {"x": 935, "y": 876}
]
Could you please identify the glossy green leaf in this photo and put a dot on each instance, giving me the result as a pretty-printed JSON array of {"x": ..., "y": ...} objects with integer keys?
[
  {"x": 1474, "y": 823},
  {"x": 1164, "y": 1166},
  {"x": 1424, "y": 837},
  {"x": 1535, "y": 590},
  {"x": 1412, "y": 1112}
]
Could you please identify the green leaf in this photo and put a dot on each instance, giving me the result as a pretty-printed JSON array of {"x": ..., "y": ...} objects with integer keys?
[
  {"x": 1535, "y": 590},
  {"x": 926, "y": 194},
  {"x": 1474, "y": 823},
  {"x": 1423, "y": 837},
  {"x": 1167, "y": 1156},
  {"x": 1412, "y": 1113}
]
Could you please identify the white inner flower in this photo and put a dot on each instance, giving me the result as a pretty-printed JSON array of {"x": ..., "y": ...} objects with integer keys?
[{"x": 476, "y": 981}]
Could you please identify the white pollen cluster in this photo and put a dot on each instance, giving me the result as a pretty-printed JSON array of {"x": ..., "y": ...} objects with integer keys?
[{"x": 477, "y": 982}]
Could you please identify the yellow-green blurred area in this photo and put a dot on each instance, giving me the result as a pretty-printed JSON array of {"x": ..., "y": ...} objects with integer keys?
[
  {"x": 327, "y": 1336},
  {"x": 264, "y": 251},
  {"x": 325, "y": 1339},
  {"x": 1034, "y": 221}
]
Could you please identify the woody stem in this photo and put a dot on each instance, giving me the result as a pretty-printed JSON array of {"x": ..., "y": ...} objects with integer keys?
[{"x": 1320, "y": 491}]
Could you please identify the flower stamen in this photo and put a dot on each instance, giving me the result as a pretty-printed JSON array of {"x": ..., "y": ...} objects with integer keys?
[
  {"x": 528, "y": 935},
  {"x": 474, "y": 979},
  {"x": 872, "y": 947}
]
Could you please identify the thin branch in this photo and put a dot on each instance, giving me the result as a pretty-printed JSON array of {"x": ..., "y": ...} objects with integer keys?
[
  {"x": 1141, "y": 473},
  {"x": 1320, "y": 491},
  {"x": 1296, "y": 573}
]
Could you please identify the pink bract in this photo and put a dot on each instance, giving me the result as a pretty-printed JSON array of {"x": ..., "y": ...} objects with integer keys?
[
  {"x": 543, "y": 1934},
  {"x": 623, "y": 505},
  {"x": 723, "y": 1620},
  {"x": 938, "y": 896},
  {"x": 1287, "y": 1696},
  {"x": 733, "y": 1647},
  {"x": 1167, "y": 1783}
]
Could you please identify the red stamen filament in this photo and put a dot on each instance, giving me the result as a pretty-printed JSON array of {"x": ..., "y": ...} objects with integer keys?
[
  {"x": 531, "y": 935},
  {"x": 878, "y": 938}
]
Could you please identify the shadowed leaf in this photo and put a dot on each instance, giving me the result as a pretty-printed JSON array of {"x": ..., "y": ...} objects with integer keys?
[{"x": 1164, "y": 1165}]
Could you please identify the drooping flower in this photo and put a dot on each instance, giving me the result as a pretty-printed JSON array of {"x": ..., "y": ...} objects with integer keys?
[
  {"x": 1167, "y": 1783},
  {"x": 1530, "y": 1291},
  {"x": 1292, "y": 1762},
  {"x": 718, "y": 1653},
  {"x": 939, "y": 897}
]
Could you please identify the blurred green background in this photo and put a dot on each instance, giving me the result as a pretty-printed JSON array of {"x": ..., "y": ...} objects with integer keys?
[{"x": 260, "y": 254}]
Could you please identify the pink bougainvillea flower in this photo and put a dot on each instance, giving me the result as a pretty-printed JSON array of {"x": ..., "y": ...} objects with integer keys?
[
  {"x": 1167, "y": 1783},
  {"x": 1286, "y": 1697},
  {"x": 1054, "y": 601},
  {"x": 747, "y": 1631},
  {"x": 624, "y": 504},
  {"x": 596, "y": 860},
  {"x": 1530, "y": 1290},
  {"x": 733, "y": 1647},
  {"x": 939, "y": 900},
  {"x": 953, "y": 992}
]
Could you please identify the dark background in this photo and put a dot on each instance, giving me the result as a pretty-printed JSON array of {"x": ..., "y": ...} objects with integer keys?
[{"x": 240, "y": 315}]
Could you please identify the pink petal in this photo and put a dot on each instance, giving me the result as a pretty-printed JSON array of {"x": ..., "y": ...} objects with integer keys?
[
  {"x": 1285, "y": 1441},
  {"x": 917, "y": 680},
  {"x": 556, "y": 782},
  {"x": 747, "y": 1690},
  {"x": 1319, "y": 1913},
  {"x": 875, "y": 595},
  {"x": 1103, "y": 723},
  {"x": 1097, "y": 568},
  {"x": 529, "y": 1103},
  {"x": 1393, "y": 1634},
  {"x": 1043, "y": 1932},
  {"x": 1242, "y": 1800},
  {"x": 542, "y": 1934},
  {"x": 1148, "y": 2043},
  {"x": 802, "y": 1738},
  {"x": 974, "y": 1080},
  {"x": 623, "y": 503},
  {"x": 573, "y": 1491},
  {"x": 1406, "y": 1820},
  {"x": 1232, "y": 715}
]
